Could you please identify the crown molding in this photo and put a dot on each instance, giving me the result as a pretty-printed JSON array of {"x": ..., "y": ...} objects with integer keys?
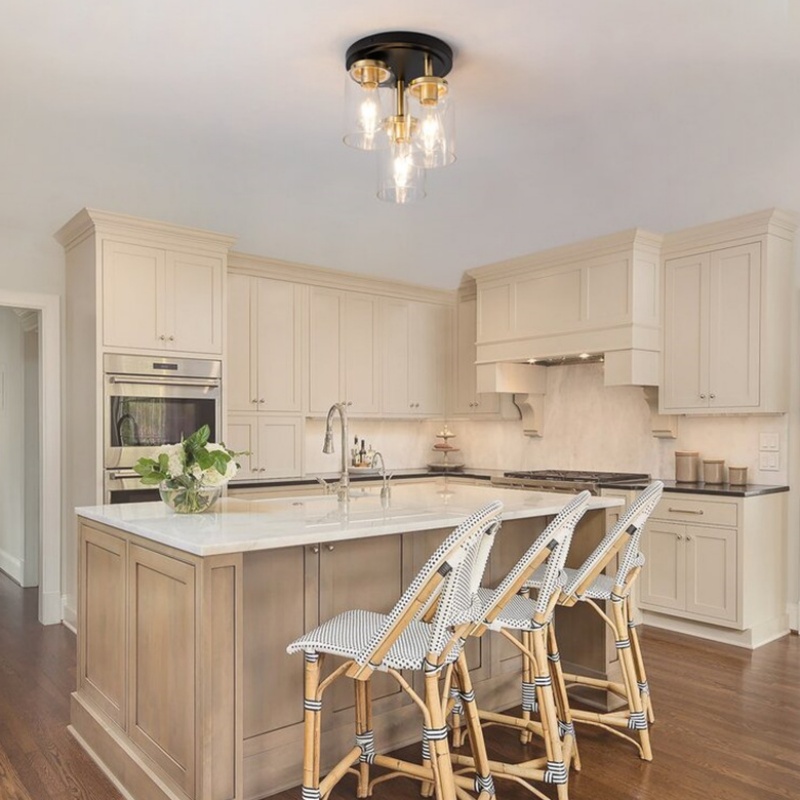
[
  {"x": 261, "y": 266},
  {"x": 90, "y": 221}
]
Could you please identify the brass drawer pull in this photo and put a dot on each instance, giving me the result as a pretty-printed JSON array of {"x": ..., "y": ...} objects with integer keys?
[{"x": 684, "y": 511}]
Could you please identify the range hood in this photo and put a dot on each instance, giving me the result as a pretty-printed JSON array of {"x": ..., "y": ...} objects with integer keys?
[{"x": 598, "y": 299}]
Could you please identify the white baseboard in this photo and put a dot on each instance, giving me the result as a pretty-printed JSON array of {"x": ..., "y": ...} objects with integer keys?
[
  {"x": 750, "y": 638},
  {"x": 69, "y": 615},
  {"x": 12, "y": 566},
  {"x": 793, "y": 609}
]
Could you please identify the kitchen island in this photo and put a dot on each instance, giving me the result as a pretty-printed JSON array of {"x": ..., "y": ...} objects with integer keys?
[{"x": 184, "y": 687}]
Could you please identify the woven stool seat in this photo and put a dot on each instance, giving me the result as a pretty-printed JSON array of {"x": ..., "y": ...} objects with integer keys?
[{"x": 350, "y": 634}]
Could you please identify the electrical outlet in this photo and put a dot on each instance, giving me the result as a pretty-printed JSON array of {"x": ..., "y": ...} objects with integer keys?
[
  {"x": 768, "y": 442},
  {"x": 769, "y": 462}
]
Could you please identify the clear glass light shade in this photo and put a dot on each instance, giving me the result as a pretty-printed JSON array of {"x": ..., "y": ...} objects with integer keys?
[
  {"x": 399, "y": 179},
  {"x": 433, "y": 139},
  {"x": 365, "y": 109}
]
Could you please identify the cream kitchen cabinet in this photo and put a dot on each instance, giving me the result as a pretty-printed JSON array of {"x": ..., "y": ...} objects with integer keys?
[
  {"x": 718, "y": 560},
  {"x": 415, "y": 357},
  {"x": 726, "y": 290},
  {"x": 343, "y": 351},
  {"x": 272, "y": 445},
  {"x": 265, "y": 340},
  {"x": 467, "y": 400},
  {"x": 156, "y": 298}
]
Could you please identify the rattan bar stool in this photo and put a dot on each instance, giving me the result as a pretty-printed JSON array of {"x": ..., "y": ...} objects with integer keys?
[
  {"x": 424, "y": 632},
  {"x": 590, "y": 585},
  {"x": 506, "y": 611}
]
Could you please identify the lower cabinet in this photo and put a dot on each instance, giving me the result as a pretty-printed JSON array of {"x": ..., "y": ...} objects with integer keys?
[
  {"x": 271, "y": 447},
  {"x": 158, "y": 653},
  {"x": 717, "y": 560}
]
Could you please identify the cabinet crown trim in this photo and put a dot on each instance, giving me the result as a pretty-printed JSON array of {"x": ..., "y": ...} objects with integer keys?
[
  {"x": 570, "y": 254},
  {"x": 730, "y": 231},
  {"x": 90, "y": 220},
  {"x": 262, "y": 266}
]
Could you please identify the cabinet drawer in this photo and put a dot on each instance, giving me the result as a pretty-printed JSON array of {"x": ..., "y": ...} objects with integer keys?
[{"x": 674, "y": 508}]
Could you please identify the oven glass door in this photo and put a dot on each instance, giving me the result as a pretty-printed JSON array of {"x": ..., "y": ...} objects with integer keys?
[{"x": 141, "y": 417}]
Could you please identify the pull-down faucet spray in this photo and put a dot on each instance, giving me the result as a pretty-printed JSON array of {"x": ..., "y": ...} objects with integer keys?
[{"x": 327, "y": 447}]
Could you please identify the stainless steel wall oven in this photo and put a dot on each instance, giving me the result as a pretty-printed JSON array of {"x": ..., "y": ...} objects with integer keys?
[{"x": 150, "y": 401}]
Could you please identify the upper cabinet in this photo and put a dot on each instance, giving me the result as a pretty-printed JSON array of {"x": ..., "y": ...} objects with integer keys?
[
  {"x": 598, "y": 296},
  {"x": 466, "y": 398},
  {"x": 153, "y": 287},
  {"x": 265, "y": 332},
  {"x": 416, "y": 338},
  {"x": 343, "y": 351},
  {"x": 159, "y": 299},
  {"x": 727, "y": 303}
]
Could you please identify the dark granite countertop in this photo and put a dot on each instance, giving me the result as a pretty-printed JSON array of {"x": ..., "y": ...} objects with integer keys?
[{"x": 718, "y": 489}]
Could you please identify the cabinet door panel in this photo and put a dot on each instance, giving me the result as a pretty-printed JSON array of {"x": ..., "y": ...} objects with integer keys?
[
  {"x": 278, "y": 335},
  {"x": 194, "y": 303},
  {"x": 280, "y": 447},
  {"x": 241, "y": 388},
  {"x": 364, "y": 573},
  {"x": 663, "y": 577},
  {"x": 396, "y": 357},
  {"x": 734, "y": 336},
  {"x": 427, "y": 353},
  {"x": 325, "y": 386},
  {"x": 711, "y": 572},
  {"x": 162, "y": 662},
  {"x": 273, "y": 680},
  {"x": 242, "y": 437},
  {"x": 361, "y": 350},
  {"x": 686, "y": 332},
  {"x": 133, "y": 290},
  {"x": 102, "y": 667},
  {"x": 467, "y": 400}
]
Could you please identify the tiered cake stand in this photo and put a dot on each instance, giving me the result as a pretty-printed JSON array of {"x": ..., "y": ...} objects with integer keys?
[{"x": 447, "y": 461}]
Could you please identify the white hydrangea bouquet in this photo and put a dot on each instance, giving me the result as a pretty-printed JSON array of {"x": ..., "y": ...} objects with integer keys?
[{"x": 190, "y": 475}]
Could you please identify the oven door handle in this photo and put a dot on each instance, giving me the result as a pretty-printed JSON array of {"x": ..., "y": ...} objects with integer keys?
[{"x": 145, "y": 381}]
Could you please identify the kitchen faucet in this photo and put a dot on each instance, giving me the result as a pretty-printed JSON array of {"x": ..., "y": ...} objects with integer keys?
[
  {"x": 327, "y": 447},
  {"x": 385, "y": 489}
]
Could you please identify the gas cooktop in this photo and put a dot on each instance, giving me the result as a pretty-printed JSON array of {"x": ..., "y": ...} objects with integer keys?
[{"x": 566, "y": 480}]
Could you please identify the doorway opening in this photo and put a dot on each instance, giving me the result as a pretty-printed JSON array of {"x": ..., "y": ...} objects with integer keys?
[{"x": 30, "y": 436}]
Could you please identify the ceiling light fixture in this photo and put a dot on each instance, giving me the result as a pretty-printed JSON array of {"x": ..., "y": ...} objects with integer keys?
[{"x": 398, "y": 102}]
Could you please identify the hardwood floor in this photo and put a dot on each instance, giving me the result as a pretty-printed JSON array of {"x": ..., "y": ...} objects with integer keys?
[{"x": 728, "y": 723}]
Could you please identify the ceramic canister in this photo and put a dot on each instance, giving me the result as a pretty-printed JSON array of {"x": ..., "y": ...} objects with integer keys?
[
  {"x": 686, "y": 466},
  {"x": 714, "y": 470}
]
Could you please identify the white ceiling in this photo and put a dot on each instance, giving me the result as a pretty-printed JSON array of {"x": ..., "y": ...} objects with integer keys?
[{"x": 575, "y": 118}]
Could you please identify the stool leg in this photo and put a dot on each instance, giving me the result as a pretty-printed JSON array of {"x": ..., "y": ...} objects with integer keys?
[
  {"x": 556, "y": 771},
  {"x": 641, "y": 675},
  {"x": 529, "y": 706},
  {"x": 312, "y": 709},
  {"x": 484, "y": 784},
  {"x": 364, "y": 734},
  {"x": 637, "y": 718},
  {"x": 566, "y": 726},
  {"x": 456, "y": 720},
  {"x": 437, "y": 741}
]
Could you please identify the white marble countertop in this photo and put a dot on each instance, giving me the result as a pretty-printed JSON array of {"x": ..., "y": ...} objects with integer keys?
[{"x": 243, "y": 524}]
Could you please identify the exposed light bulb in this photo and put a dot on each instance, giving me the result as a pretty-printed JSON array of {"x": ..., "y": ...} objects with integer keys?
[
  {"x": 402, "y": 167},
  {"x": 369, "y": 114}
]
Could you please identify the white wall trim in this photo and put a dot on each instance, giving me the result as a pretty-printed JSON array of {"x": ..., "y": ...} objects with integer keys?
[
  {"x": 50, "y": 500},
  {"x": 12, "y": 566},
  {"x": 793, "y": 610}
]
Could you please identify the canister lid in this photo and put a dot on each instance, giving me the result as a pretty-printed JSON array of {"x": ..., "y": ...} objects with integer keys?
[
  {"x": 713, "y": 460},
  {"x": 687, "y": 453}
]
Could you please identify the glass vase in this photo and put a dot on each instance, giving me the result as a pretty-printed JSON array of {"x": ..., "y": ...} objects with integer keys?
[{"x": 192, "y": 499}]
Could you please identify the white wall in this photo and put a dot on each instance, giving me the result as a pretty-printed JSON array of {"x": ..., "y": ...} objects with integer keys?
[{"x": 12, "y": 451}]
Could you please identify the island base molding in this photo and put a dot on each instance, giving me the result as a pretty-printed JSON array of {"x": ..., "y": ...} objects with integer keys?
[
  {"x": 122, "y": 764},
  {"x": 751, "y": 638}
]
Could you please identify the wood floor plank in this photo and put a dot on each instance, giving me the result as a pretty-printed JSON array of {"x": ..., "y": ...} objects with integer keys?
[{"x": 728, "y": 724}]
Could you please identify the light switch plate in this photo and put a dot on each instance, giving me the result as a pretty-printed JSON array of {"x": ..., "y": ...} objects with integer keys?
[
  {"x": 769, "y": 462},
  {"x": 768, "y": 442}
]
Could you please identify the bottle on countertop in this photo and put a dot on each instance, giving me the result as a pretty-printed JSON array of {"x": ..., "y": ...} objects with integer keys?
[
  {"x": 362, "y": 455},
  {"x": 354, "y": 459},
  {"x": 370, "y": 456}
]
